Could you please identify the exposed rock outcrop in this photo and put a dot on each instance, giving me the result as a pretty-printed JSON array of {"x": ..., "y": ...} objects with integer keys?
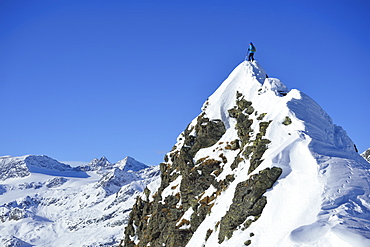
[{"x": 173, "y": 213}]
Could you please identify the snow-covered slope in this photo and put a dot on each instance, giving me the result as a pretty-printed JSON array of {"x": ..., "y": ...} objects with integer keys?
[
  {"x": 260, "y": 166},
  {"x": 18, "y": 167},
  {"x": 46, "y": 203}
]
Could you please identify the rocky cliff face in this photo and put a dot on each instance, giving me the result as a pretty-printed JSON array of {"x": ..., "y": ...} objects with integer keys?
[
  {"x": 166, "y": 208},
  {"x": 214, "y": 182}
]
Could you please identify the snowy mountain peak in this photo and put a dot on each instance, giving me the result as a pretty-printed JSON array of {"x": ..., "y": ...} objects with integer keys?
[
  {"x": 262, "y": 166},
  {"x": 103, "y": 164},
  {"x": 366, "y": 155},
  {"x": 96, "y": 165},
  {"x": 18, "y": 167},
  {"x": 43, "y": 161},
  {"x": 130, "y": 164},
  {"x": 103, "y": 161}
]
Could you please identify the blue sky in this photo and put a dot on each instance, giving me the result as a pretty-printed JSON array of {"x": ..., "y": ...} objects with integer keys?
[{"x": 85, "y": 79}]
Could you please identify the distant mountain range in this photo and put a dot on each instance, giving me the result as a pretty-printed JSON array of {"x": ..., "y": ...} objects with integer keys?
[{"x": 44, "y": 202}]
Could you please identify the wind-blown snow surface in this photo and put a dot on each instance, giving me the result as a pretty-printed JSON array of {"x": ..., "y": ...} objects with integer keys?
[
  {"x": 47, "y": 203},
  {"x": 322, "y": 196}
]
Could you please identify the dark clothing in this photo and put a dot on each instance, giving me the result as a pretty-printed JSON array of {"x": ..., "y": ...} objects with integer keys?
[{"x": 251, "y": 56}]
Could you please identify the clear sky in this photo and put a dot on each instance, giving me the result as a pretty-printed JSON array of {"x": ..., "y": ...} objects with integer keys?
[{"x": 115, "y": 78}]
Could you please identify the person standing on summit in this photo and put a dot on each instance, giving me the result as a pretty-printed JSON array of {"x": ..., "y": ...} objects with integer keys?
[{"x": 251, "y": 50}]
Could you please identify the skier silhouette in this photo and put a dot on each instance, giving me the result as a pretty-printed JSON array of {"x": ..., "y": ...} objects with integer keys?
[{"x": 251, "y": 50}]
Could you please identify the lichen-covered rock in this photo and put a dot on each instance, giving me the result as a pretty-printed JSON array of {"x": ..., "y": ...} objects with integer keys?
[
  {"x": 155, "y": 222},
  {"x": 243, "y": 124},
  {"x": 287, "y": 121},
  {"x": 261, "y": 116},
  {"x": 243, "y": 104},
  {"x": 248, "y": 200},
  {"x": 258, "y": 148},
  {"x": 208, "y": 132},
  {"x": 255, "y": 151}
]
